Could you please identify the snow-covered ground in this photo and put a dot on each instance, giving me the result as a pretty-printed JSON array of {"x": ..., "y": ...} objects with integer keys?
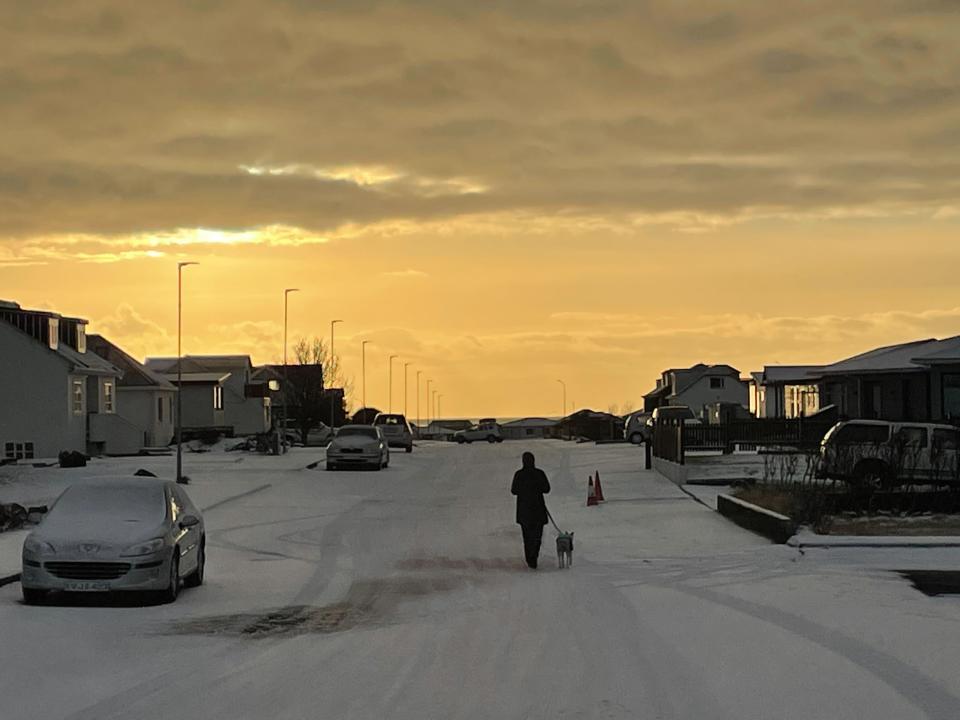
[{"x": 402, "y": 594}]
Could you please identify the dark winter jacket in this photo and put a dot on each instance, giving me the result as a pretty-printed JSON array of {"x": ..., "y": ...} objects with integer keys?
[{"x": 530, "y": 484}]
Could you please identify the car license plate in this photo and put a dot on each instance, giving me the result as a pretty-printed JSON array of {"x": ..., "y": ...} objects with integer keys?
[{"x": 86, "y": 586}]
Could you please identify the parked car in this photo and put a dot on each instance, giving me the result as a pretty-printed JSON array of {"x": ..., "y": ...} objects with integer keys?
[
  {"x": 396, "y": 430},
  {"x": 116, "y": 535},
  {"x": 890, "y": 453},
  {"x": 671, "y": 412},
  {"x": 358, "y": 446},
  {"x": 635, "y": 429},
  {"x": 483, "y": 431}
]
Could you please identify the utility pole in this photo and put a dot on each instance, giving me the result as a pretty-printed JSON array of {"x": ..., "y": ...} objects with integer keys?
[
  {"x": 333, "y": 416},
  {"x": 180, "y": 267}
]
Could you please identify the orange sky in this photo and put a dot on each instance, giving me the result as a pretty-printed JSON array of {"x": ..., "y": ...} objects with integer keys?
[{"x": 503, "y": 196}]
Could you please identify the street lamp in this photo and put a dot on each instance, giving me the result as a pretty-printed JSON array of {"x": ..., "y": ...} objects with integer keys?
[
  {"x": 429, "y": 380},
  {"x": 406, "y": 366},
  {"x": 180, "y": 267},
  {"x": 433, "y": 404},
  {"x": 418, "y": 402},
  {"x": 363, "y": 365},
  {"x": 286, "y": 296},
  {"x": 333, "y": 416},
  {"x": 564, "y": 413},
  {"x": 390, "y": 383},
  {"x": 439, "y": 397}
]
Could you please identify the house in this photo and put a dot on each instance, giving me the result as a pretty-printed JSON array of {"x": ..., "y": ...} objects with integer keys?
[
  {"x": 145, "y": 399},
  {"x": 528, "y": 428},
  {"x": 912, "y": 381},
  {"x": 306, "y": 381},
  {"x": 590, "y": 424},
  {"x": 785, "y": 391},
  {"x": 57, "y": 394},
  {"x": 218, "y": 393},
  {"x": 697, "y": 387}
]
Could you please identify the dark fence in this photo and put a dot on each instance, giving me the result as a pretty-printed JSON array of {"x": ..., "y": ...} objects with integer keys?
[
  {"x": 667, "y": 440},
  {"x": 794, "y": 432}
]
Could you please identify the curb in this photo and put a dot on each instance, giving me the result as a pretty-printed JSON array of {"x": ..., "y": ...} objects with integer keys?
[
  {"x": 841, "y": 542},
  {"x": 771, "y": 525}
]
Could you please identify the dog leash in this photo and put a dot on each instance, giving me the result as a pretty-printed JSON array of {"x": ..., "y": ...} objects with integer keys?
[{"x": 553, "y": 522}]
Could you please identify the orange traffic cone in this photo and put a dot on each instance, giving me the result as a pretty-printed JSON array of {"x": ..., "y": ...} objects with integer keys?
[
  {"x": 599, "y": 488},
  {"x": 591, "y": 493}
]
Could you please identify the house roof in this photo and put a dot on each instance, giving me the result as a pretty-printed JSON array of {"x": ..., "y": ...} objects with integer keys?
[
  {"x": 946, "y": 352},
  {"x": 658, "y": 392},
  {"x": 531, "y": 422},
  {"x": 891, "y": 358},
  {"x": 135, "y": 374},
  {"x": 210, "y": 378},
  {"x": 201, "y": 363},
  {"x": 698, "y": 372},
  {"x": 787, "y": 374}
]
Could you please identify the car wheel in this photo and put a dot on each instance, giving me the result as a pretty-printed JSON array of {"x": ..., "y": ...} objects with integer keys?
[
  {"x": 33, "y": 596},
  {"x": 172, "y": 590},
  {"x": 195, "y": 579},
  {"x": 491, "y": 439},
  {"x": 409, "y": 448},
  {"x": 636, "y": 438},
  {"x": 461, "y": 440}
]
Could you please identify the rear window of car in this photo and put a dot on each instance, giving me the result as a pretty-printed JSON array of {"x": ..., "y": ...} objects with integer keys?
[
  {"x": 854, "y": 433},
  {"x": 675, "y": 413},
  {"x": 944, "y": 439},
  {"x": 357, "y": 432},
  {"x": 390, "y": 420}
]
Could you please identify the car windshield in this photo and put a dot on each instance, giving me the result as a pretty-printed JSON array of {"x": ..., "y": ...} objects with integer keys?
[
  {"x": 130, "y": 502},
  {"x": 366, "y": 432},
  {"x": 390, "y": 420}
]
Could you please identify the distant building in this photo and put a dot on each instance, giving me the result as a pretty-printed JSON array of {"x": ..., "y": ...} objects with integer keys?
[
  {"x": 218, "y": 393},
  {"x": 529, "y": 428},
  {"x": 590, "y": 424},
  {"x": 145, "y": 399},
  {"x": 697, "y": 387},
  {"x": 56, "y": 394},
  {"x": 785, "y": 391}
]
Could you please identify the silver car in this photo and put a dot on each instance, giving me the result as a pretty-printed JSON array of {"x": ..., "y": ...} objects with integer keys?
[
  {"x": 358, "y": 446},
  {"x": 396, "y": 430},
  {"x": 109, "y": 535}
]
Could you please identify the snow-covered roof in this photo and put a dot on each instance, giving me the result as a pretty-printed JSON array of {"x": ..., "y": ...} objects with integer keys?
[
  {"x": 88, "y": 363},
  {"x": 905, "y": 357},
  {"x": 531, "y": 422},
  {"x": 135, "y": 374},
  {"x": 787, "y": 374},
  {"x": 197, "y": 377}
]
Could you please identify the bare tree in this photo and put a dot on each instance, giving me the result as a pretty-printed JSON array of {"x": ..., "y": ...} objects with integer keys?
[
  {"x": 627, "y": 407},
  {"x": 307, "y": 387},
  {"x": 613, "y": 409}
]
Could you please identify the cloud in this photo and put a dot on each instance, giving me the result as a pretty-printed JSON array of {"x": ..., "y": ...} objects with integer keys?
[
  {"x": 380, "y": 112},
  {"x": 408, "y": 273}
]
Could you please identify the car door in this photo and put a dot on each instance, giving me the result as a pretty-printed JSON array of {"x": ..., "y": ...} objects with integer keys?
[
  {"x": 189, "y": 537},
  {"x": 944, "y": 448},
  {"x": 912, "y": 452}
]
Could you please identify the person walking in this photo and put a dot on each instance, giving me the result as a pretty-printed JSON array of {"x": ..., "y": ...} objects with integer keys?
[{"x": 530, "y": 484}]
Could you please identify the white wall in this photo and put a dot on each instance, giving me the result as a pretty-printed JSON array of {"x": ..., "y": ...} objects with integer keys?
[
  {"x": 35, "y": 397},
  {"x": 700, "y": 394},
  {"x": 138, "y": 405},
  {"x": 198, "y": 411}
]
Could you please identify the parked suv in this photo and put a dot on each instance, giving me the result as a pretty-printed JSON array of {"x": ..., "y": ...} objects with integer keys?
[
  {"x": 890, "y": 453},
  {"x": 396, "y": 430},
  {"x": 484, "y": 431},
  {"x": 671, "y": 412}
]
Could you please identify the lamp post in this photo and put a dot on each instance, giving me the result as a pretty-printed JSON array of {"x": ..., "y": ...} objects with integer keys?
[
  {"x": 180, "y": 267},
  {"x": 363, "y": 372},
  {"x": 418, "y": 402},
  {"x": 333, "y": 417},
  {"x": 433, "y": 405},
  {"x": 429, "y": 380},
  {"x": 390, "y": 383},
  {"x": 564, "y": 413},
  {"x": 286, "y": 296},
  {"x": 439, "y": 397},
  {"x": 406, "y": 367}
]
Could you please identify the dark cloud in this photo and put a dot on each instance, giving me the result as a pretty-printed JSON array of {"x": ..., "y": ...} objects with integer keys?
[{"x": 120, "y": 118}]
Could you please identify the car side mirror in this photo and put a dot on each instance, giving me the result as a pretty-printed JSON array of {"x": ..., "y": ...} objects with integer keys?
[{"x": 189, "y": 521}]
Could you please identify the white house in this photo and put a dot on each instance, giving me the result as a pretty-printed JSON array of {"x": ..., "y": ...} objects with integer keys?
[
  {"x": 145, "y": 398},
  {"x": 218, "y": 393},
  {"x": 528, "y": 428},
  {"x": 697, "y": 387},
  {"x": 56, "y": 394}
]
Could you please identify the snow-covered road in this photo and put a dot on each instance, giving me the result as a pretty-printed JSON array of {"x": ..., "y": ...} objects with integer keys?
[{"x": 403, "y": 594}]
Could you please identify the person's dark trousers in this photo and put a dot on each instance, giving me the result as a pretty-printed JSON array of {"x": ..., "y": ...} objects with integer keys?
[{"x": 532, "y": 537}]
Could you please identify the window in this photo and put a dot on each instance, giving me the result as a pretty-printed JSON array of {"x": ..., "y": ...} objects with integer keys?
[
  {"x": 946, "y": 440},
  {"x": 78, "y": 397},
  {"x": 160, "y": 409},
  {"x": 913, "y": 437},
  {"x": 867, "y": 434},
  {"x": 217, "y": 397},
  {"x": 53, "y": 333},
  {"x": 108, "y": 406},
  {"x": 716, "y": 383},
  {"x": 81, "y": 338},
  {"x": 951, "y": 396},
  {"x": 18, "y": 451}
]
